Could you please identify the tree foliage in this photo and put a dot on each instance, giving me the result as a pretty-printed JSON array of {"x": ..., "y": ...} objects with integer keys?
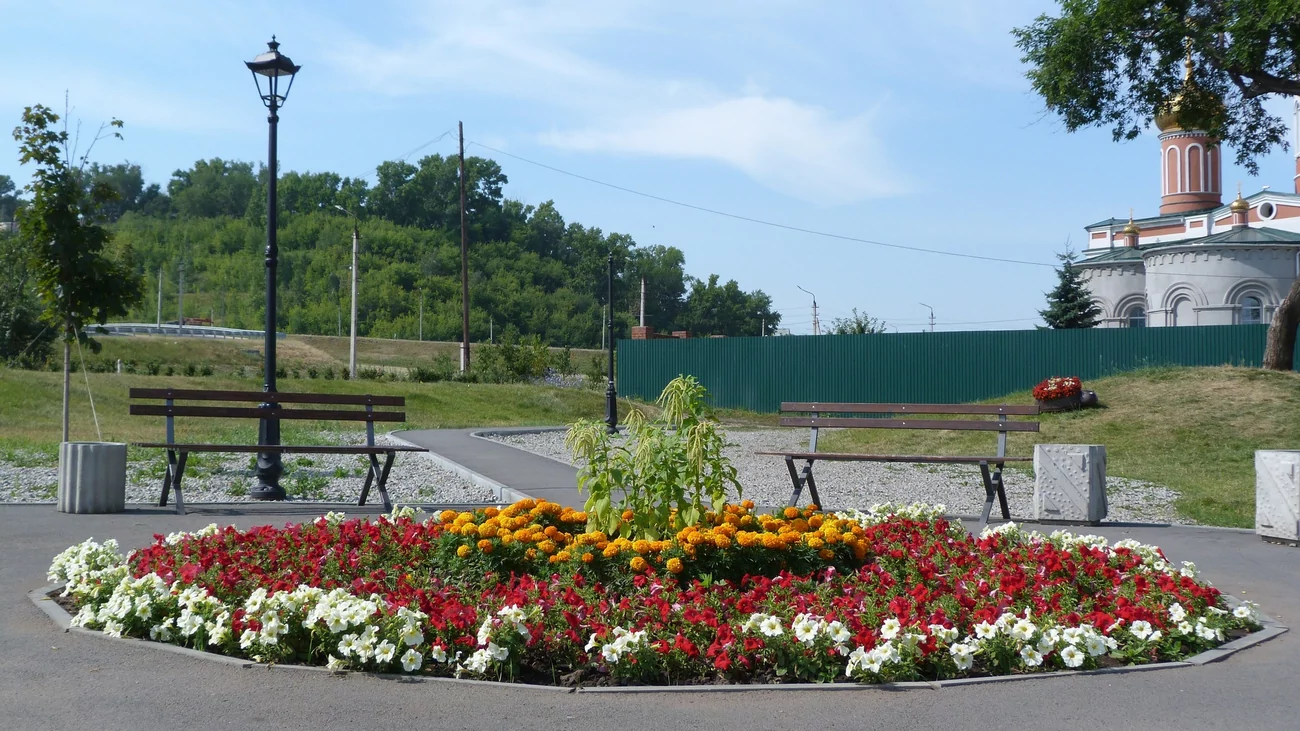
[
  {"x": 1069, "y": 305},
  {"x": 1119, "y": 63},
  {"x": 8, "y": 199},
  {"x": 24, "y": 340},
  {"x": 857, "y": 324},
  {"x": 529, "y": 267}
]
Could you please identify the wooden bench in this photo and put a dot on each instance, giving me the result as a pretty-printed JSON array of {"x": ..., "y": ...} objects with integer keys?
[
  {"x": 887, "y": 416},
  {"x": 178, "y": 453}
]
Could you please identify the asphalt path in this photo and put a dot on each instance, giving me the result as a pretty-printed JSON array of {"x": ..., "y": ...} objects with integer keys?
[{"x": 50, "y": 679}]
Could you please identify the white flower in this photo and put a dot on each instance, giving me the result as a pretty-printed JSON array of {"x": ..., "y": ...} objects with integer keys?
[
  {"x": 771, "y": 627},
  {"x": 113, "y": 628},
  {"x": 348, "y": 645},
  {"x": 161, "y": 632},
  {"x": 1045, "y": 644},
  {"x": 1094, "y": 645},
  {"x": 806, "y": 628},
  {"x": 334, "y": 663},
  {"x": 485, "y": 631},
  {"x": 592, "y": 643},
  {"x": 890, "y": 629},
  {"x": 985, "y": 631},
  {"x": 1176, "y": 612},
  {"x": 1184, "y": 628},
  {"x": 1033, "y": 658},
  {"x": 385, "y": 652},
  {"x": 411, "y": 635},
  {"x": 611, "y": 652},
  {"x": 1023, "y": 630},
  {"x": 838, "y": 633},
  {"x": 477, "y": 662},
  {"x": 1242, "y": 611},
  {"x": 1071, "y": 656},
  {"x": 143, "y": 609},
  {"x": 1141, "y": 629},
  {"x": 497, "y": 652},
  {"x": 189, "y": 622},
  {"x": 1155, "y": 636},
  {"x": 856, "y": 659},
  {"x": 437, "y": 653},
  {"x": 1072, "y": 635},
  {"x": 963, "y": 655},
  {"x": 411, "y": 660},
  {"x": 751, "y": 624},
  {"x": 512, "y": 613}
]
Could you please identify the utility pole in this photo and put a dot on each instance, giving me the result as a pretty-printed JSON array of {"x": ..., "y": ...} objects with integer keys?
[
  {"x": 180, "y": 300},
  {"x": 422, "y": 315},
  {"x": 817, "y": 325},
  {"x": 931, "y": 309},
  {"x": 352, "y": 342},
  {"x": 492, "y": 325},
  {"x": 160, "y": 282},
  {"x": 762, "y": 327},
  {"x": 603, "y": 323},
  {"x": 464, "y": 261},
  {"x": 642, "y": 301}
]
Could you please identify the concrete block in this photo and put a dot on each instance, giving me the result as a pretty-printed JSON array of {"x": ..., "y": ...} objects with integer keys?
[
  {"x": 1277, "y": 494},
  {"x": 92, "y": 477},
  {"x": 1070, "y": 482}
]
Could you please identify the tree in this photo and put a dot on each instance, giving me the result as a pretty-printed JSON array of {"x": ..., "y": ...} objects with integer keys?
[
  {"x": 76, "y": 278},
  {"x": 857, "y": 324},
  {"x": 213, "y": 187},
  {"x": 713, "y": 309},
  {"x": 8, "y": 199},
  {"x": 1069, "y": 306},
  {"x": 1210, "y": 63},
  {"x": 24, "y": 341}
]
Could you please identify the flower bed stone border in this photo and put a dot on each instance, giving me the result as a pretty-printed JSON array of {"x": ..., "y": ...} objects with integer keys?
[{"x": 43, "y": 598}]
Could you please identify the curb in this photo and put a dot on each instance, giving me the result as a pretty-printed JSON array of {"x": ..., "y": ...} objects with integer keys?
[
  {"x": 44, "y": 601},
  {"x": 487, "y": 434}
]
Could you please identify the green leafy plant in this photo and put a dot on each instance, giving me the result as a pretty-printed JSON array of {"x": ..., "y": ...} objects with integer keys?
[{"x": 665, "y": 475}]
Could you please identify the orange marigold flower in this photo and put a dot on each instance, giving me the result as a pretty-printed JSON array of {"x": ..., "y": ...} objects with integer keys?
[
  {"x": 721, "y": 541},
  {"x": 771, "y": 540},
  {"x": 746, "y": 521},
  {"x": 641, "y": 546},
  {"x": 628, "y": 515},
  {"x": 491, "y": 512},
  {"x": 814, "y": 542},
  {"x": 554, "y": 559},
  {"x": 485, "y": 546},
  {"x": 639, "y": 564},
  {"x": 791, "y": 513},
  {"x": 747, "y": 538},
  {"x": 588, "y": 557},
  {"x": 563, "y": 556},
  {"x": 799, "y": 526},
  {"x": 826, "y": 554},
  {"x": 526, "y": 504},
  {"x": 815, "y": 521},
  {"x": 469, "y": 530},
  {"x": 547, "y": 546},
  {"x": 530, "y": 554},
  {"x": 859, "y": 551},
  {"x": 602, "y": 545},
  {"x": 487, "y": 531},
  {"x": 522, "y": 534},
  {"x": 579, "y": 517},
  {"x": 447, "y": 516},
  {"x": 463, "y": 550},
  {"x": 610, "y": 551},
  {"x": 675, "y": 565},
  {"x": 507, "y": 539},
  {"x": 747, "y": 504},
  {"x": 696, "y": 538},
  {"x": 503, "y": 532}
]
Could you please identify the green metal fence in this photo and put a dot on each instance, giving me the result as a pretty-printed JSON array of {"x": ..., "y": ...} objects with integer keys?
[{"x": 954, "y": 367}]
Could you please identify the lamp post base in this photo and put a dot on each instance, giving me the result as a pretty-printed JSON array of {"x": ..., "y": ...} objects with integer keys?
[
  {"x": 269, "y": 464},
  {"x": 611, "y": 409}
]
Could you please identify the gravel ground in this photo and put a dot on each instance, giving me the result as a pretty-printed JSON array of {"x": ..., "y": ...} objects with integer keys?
[
  {"x": 846, "y": 485},
  {"x": 220, "y": 478}
]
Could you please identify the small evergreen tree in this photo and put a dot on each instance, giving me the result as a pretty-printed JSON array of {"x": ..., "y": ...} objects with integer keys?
[{"x": 1070, "y": 305}]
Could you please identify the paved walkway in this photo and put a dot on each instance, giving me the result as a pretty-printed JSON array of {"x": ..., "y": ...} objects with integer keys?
[
  {"x": 55, "y": 680},
  {"x": 523, "y": 472}
]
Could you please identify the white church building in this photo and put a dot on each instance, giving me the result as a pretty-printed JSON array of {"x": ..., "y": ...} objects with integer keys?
[{"x": 1199, "y": 262}]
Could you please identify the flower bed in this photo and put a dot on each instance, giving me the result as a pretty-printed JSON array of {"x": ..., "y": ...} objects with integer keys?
[
  {"x": 1058, "y": 387},
  {"x": 519, "y": 594}
]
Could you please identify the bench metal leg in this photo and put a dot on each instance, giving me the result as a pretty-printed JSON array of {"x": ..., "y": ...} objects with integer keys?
[
  {"x": 1002, "y": 493},
  {"x": 799, "y": 478},
  {"x": 167, "y": 478},
  {"x": 990, "y": 491},
  {"x": 382, "y": 484},
  {"x": 176, "y": 483},
  {"x": 371, "y": 474}
]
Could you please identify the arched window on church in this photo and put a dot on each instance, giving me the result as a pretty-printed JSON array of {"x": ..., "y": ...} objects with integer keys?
[
  {"x": 1252, "y": 310},
  {"x": 1136, "y": 316}
]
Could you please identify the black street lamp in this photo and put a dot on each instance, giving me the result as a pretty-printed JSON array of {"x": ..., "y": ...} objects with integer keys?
[
  {"x": 271, "y": 66},
  {"x": 611, "y": 395}
]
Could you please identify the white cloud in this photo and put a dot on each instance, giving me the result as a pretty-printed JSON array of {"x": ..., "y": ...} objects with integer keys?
[{"x": 800, "y": 150}]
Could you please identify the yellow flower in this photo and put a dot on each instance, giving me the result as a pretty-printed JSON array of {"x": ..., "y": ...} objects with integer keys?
[
  {"x": 639, "y": 564},
  {"x": 747, "y": 504},
  {"x": 469, "y": 530},
  {"x": 447, "y": 516},
  {"x": 588, "y": 557},
  {"x": 486, "y": 530},
  {"x": 813, "y": 541},
  {"x": 530, "y": 554},
  {"x": 641, "y": 546},
  {"x": 463, "y": 550},
  {"x": 747, "y": 539},
  {"x": 507, "y": 539},
  {"x": 610, "y": 551},
  {"x": 826, "y": 554},
  {"x": 721, "y": 541},
  {"x": 563, "y": 556},
  {"x": 675, "y": 565},
  {"x": 791, "y": 513},
  {"x": 485, "y": 546},
  {"x": 491, "y": 512},
  {"x": 546, "y": 546}
]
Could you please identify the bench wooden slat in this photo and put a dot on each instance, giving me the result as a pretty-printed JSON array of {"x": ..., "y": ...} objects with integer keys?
[
  {"x": 847, "y": 457},
  {"x": 950, "y": 424},
  {"x": 282, "y": 448},
  {"x": 1009, "y": 409},
  {"x": 238, "y": 412},
  {"x": 278, "y": 397}
]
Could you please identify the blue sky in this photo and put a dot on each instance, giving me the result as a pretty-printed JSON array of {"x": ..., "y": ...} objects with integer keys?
[{"x": 904, "y": 123}]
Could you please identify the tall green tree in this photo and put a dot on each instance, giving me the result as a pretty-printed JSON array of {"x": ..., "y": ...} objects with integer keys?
[
  {"x": 726, "y": 309},
  {"x": 8, "y": 199},
  {"x": 213, "y": 187},
  {"x": 857, "y": 324},
  {"x": 78, "y": 279},
  {"x": 133, "y": 194},
  {"x": 24, "y": 341},
  {"x": 1212, "y": 64},
  {"x": 1069, "y": 305}
]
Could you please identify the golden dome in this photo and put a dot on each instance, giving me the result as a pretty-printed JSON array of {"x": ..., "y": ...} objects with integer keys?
[
  {"x": 1131, "y": 228},
  {"x": 1166, "y": 117},
  {"x": 1239, "y": 205}
]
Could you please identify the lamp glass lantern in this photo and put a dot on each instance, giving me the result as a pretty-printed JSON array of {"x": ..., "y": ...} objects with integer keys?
[{"x": 269, "y": 69}]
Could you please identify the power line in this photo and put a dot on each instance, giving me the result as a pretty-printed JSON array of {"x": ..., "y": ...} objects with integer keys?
[
  {"x": 403, "y": 158},
  {"x": 762, "y": 222}
]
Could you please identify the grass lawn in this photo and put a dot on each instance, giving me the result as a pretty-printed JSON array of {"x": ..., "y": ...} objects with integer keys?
[
  {"x": 30, "y": 415},
  {"x": 1194, "y": 430}
]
